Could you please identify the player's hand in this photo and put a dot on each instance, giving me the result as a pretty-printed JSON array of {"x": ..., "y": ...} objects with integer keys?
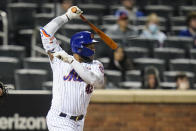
[
  {"x": 73, "y": 12},
  {"x": 62, "y": 55}
]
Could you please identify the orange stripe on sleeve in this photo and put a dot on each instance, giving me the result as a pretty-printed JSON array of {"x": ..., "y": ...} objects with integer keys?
[{"x": 45, "y": 34}]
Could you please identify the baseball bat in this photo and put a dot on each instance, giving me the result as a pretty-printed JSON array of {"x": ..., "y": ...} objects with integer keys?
[{"x": 112, "y": 44}]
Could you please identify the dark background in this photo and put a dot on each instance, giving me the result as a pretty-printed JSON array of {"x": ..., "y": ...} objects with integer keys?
[{"x": 33, "y": 105}]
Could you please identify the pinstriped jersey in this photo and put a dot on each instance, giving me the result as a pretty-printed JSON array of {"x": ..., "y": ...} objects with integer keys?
[{"x": 71, "y": 94}]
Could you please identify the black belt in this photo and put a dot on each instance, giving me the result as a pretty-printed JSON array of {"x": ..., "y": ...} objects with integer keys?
[{"x": 75, "y": 118}]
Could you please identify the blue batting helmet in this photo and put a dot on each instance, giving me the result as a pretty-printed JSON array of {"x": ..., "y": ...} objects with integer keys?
[{"x": 80, "y": 39}]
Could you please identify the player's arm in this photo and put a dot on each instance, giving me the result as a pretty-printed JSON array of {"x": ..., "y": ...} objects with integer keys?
[
  {"x": 95, "y": 77},
  {"x": 49, "y": 42}
]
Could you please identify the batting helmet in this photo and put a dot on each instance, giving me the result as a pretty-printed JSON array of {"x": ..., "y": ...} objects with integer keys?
[{"x": 78, "y": 41}]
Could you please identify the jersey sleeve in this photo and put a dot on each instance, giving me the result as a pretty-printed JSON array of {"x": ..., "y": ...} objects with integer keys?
[
  {"x": 49, "y": 43},
  {"x": 99, "y": 71},
  {"x": 94, "y": 76}
]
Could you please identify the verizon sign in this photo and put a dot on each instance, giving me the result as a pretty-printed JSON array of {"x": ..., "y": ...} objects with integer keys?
[
  {"x": 22, "y": 123},
  {"x": 25, "y": 111}
]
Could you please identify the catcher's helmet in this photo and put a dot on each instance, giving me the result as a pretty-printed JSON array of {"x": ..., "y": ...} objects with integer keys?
[{"x": 80, "y": 39}]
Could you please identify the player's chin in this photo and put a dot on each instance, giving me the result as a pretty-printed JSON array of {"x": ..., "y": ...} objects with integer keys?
[{"x": 91, "y": 57}]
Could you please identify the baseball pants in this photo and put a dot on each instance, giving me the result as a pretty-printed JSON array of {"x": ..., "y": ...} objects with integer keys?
[{"x": 58, "y": 123}]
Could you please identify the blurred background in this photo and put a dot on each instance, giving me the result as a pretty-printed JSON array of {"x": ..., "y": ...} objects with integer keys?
[
  {"x": 156, "y": 39},
  {"x": 156, "y": 57}
]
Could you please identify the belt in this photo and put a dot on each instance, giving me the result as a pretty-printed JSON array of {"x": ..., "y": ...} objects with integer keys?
[{"x": 75, "y": 118}]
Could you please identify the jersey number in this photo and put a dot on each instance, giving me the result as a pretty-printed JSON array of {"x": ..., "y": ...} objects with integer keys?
[{"x": 89, "y": 89}]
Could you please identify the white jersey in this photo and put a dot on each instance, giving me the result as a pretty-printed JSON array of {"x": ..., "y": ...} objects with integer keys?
[
  {"x": 71, "y": 94},
  {"x": 71, "y": 90}
]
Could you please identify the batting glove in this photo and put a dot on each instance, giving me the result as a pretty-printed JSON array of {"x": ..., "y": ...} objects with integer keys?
[
  {"x": 62, "y": 55},
  {"x": 73, "y": 12}
]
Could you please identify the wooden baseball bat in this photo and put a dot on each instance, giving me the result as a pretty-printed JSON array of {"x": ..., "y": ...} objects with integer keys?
[{"x": 113, "y": 45}]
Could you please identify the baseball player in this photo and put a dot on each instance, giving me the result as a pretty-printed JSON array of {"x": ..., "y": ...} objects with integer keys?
[{"x": 74, "y": 77}]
